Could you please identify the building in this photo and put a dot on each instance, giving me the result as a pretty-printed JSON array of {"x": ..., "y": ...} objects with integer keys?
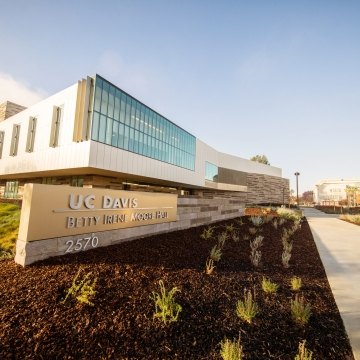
[
  {"x": 94, "y": 134},
  {"x": 333, "y": 192}
]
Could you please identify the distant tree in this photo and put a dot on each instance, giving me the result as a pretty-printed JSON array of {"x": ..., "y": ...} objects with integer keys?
[
  {"x": 351, "y": 192},
  {"x": 307, "y": 197},
  {"x": 260, "y": 159}
]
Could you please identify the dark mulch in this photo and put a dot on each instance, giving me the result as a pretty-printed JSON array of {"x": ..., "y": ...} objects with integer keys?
[{"x": 34, "y": 324}]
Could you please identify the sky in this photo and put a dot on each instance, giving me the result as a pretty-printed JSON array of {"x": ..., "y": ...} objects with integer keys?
[{"x": 272, "y": 77}]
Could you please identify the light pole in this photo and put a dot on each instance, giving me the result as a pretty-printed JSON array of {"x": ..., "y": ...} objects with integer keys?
[{"x": 297, "y": 188}]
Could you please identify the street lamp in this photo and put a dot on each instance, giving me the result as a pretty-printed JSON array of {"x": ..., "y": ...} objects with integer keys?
[{"x": 297, "y": 188}]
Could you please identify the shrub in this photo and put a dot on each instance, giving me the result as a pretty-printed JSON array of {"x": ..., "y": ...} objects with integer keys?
[
  {"x": 303, "y": 352},
  {"x": 207, "y": 233},
  {"x": 300, "y": 311},
  {"x": 231, "y": 350},
  {"x": 289, "y": 214},
  {"x": 247, "y": 309},
  {"x": 82, "y": 289},
  {"x": 215, "y": 253},
  {"x": 355, "y": 219},
  {"x": 268, "y": 286},
  {"x": 295, "y": 283},
  {"x": 235, "y": 236},
  {"x": 165, "y": 306},
  {"x": 209, "y": 266}
]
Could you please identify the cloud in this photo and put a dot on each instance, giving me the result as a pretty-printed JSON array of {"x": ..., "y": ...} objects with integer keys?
[{"x": 18, "y": 92}]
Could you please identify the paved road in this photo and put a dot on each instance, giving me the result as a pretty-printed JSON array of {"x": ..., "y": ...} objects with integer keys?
[{"x": 338, "y": 243}]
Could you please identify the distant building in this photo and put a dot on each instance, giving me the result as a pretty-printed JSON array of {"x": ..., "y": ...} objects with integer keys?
[{"x": 333, "y": 192}]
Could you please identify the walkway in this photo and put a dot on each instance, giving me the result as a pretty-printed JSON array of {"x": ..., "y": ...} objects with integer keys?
[{"x": 338, "y": 243}]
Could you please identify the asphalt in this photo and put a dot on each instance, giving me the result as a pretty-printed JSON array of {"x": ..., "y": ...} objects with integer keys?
[{"x": 338, "y": 243}]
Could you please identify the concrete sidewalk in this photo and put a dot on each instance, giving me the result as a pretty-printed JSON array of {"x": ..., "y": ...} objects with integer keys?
[{"x": 338, "y": 243}]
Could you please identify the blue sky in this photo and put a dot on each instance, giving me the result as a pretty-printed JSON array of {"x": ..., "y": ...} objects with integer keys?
[{"x": 280, "y": 78}]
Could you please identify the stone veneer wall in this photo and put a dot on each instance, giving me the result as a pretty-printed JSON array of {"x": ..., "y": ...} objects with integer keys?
[
  {"x": 197, "y": 210},
  {"x": 8, "y": 109},
  {"x": 265, "y": 189}
]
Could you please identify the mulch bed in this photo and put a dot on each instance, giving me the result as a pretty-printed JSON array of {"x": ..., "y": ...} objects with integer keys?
[{"x": 35, "y": 324}]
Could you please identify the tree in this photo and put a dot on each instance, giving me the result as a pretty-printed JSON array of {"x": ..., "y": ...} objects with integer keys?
[
  {"x": 260, "y": 159},
  {"x": 351, "y": 192},
  {"x": 308, "y": 197}
]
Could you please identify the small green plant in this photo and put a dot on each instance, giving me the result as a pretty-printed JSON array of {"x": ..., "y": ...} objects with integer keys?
[
  {"x": 303, "y": 352},
  {"x": 257, "y": 242},
  {"x": 240, "y": 222},
  {"x": 165, "y": 306},
  {"x": 285, "y": 258},
  {"x": 253, "y": 230},
  {"x": 83, "y": 290},
  {"x": 275, "y": 223},
  {"x": 215, "y": 253},
  {"x": 300, "y": 311},
  {"x": 231, "y": 350},
  {"x": 209, "y": 266},
  {"x": 207, "y": 233},
  {"x": 235, "y": 237},
  {"x": 255, "y": 255},
  {"x": 281, "y": 221},
  {"x": 257, "y": 221},
  {"x": 247, "y": 309},
  {"x": 295, "y": 283},
  {"x": 246, "y": 237},
  {"x": 268, "y": 286},
  {"x": 222, "y": 238},
  {"x": 229, "y": 228}
]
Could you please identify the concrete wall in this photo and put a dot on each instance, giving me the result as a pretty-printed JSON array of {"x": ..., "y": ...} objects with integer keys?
[{"x": 192, "y": 211}]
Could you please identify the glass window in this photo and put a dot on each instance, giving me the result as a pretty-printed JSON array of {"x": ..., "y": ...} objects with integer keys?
[
  {"x": 121, "y": 136},
  {"x": 111, "y": 102},
  {"x": 211, "y": 172},
  {"x": 95, "y": 126},
  {"x": 104, "y": 98},
  {"x": 138, "y": 128},
  {"x": 117, "y": 106},
  {"x": 109, "y": 126},
  {"x": 102, "y": 128},
  {"x": 115, "y": 133}
]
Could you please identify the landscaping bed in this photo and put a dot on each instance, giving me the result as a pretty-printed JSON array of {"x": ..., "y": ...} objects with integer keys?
[{"x": 36, "y": 323}]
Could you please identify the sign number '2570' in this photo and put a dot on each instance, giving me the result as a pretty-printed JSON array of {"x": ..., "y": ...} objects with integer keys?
[{"x": 82, "y": 244}]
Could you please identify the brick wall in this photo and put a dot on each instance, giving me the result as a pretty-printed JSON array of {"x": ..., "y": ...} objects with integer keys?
[{"x": 264, "y": 189}]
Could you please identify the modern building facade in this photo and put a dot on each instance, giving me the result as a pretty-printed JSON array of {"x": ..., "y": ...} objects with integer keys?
[
  {"x": 334, "y": 192},
  {"x": 93, "y": 134}
]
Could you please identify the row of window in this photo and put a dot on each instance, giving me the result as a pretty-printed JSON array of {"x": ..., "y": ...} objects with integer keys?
[
  {"x": 120, "y": 120},
  {"x": 31, "y": 132}
]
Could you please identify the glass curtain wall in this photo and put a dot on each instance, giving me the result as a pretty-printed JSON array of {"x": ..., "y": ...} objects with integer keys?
[
  {"x": 121, "y": 121},
  {"x": 211, "y": 172}
]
